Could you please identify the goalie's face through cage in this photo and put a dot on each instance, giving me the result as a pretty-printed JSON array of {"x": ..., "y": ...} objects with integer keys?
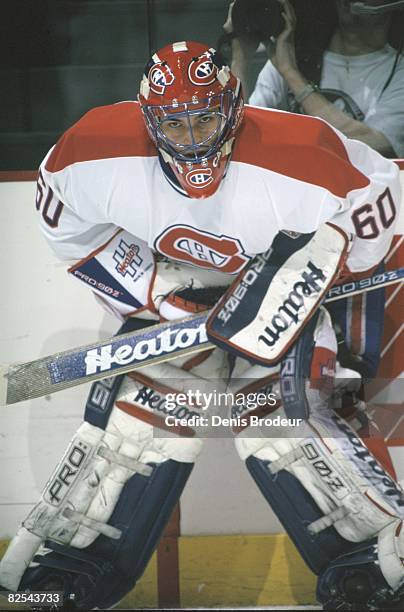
[{"x": 192, "y": 106}]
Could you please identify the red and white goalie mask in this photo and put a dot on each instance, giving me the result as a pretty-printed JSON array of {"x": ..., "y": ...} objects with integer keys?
[{"x": 192, "y": 105}]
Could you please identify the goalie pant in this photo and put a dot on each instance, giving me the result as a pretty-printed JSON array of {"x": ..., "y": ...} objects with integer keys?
[{"x": 105, "y": 507}]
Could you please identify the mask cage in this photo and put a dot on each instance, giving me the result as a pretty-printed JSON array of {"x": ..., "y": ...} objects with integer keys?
[{"x": 223, "y": 106}]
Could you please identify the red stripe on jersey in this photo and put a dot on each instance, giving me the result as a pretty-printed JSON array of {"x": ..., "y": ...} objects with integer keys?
[
  {"x": 117, "y": 130},
  {"x": 301, "y": 147},
  {"x": 356, "y": 324}
]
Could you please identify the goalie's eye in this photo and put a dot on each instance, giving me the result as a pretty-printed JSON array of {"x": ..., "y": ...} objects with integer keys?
[
  {"x": 174, "y": 128},
  {"x": 173, "y": 124},
  {"x": 208, "y": 118}
]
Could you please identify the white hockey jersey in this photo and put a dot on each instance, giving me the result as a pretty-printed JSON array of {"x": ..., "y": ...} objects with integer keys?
[{"x": 288, "y": 172}]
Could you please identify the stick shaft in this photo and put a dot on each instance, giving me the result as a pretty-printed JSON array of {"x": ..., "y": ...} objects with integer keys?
[
  {"x": 377, "y": 281},
  {"x": 121, "y": 354}
]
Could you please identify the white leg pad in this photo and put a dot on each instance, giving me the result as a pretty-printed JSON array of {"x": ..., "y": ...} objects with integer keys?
[
  {"x": 337, "y": 470},
  {"x": 81, "y": 494},
  {"x": 391, "y": 554}
]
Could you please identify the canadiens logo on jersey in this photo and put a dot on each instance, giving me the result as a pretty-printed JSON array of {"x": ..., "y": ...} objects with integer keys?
[
  {"x": 199, "y": 177},
  {"x": 203, "y": 249},
  {"x": 159, "y": 77},
  {"x": 202, "y": 71}
]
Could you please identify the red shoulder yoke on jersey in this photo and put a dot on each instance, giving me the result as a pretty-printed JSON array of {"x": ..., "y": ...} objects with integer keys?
[{"x": 265, "y": 310}]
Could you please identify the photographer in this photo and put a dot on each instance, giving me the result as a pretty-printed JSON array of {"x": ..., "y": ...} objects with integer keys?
[{"x": 338, "y": 66}]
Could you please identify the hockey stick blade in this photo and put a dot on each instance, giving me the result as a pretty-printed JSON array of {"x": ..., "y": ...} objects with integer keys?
[{"x": 133, "y": 350}]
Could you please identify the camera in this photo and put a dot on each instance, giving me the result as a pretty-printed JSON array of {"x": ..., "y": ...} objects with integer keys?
[{"x": 257, "y": 19}]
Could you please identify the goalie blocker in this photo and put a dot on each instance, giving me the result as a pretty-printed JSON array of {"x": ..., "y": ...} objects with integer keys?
[{"x": 263, "y": 313}]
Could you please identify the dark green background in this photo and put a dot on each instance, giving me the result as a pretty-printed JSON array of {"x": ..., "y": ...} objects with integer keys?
[{"x": 60, "y": 58}]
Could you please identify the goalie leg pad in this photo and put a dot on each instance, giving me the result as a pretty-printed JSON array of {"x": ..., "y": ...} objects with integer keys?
[
  {"x": 320, "y": 479},
  {"x": 360, "y": 319},
  {"x": 295, "y": 370},
  {"x": 347, "y": 498},
  {"x": 102, "y": 573},
  {"x": 105, "y": 506},
  {"x": 296, "y": 510}
]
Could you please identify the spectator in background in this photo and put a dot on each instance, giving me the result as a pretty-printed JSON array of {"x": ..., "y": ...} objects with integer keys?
[{"x": 360, "y": 81}]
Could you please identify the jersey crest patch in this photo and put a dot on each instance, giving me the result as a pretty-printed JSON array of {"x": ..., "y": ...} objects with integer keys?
[
  {"x": 128, "y": 260},
  {"x": 203, "y": 249}
]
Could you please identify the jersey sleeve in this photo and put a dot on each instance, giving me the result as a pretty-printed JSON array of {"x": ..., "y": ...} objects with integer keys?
[
  {"x": 313, "y": 174},
  {"x": 369, "y": 213},
  {"x": 85, "y": 183},
  {"x": 344, "y": 182},
  {"x": 71, "y": 220}
]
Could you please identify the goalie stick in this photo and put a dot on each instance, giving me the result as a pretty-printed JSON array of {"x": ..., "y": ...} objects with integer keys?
[{"x": 131, "y": 351}]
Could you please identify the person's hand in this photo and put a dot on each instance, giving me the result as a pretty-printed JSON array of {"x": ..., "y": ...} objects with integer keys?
[
  {"x": 243, "y": 47},
  {"x": 282, "y": 53}
]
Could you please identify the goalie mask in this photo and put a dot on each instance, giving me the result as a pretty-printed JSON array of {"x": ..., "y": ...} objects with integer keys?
[{"x": 192, "y": 105}]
